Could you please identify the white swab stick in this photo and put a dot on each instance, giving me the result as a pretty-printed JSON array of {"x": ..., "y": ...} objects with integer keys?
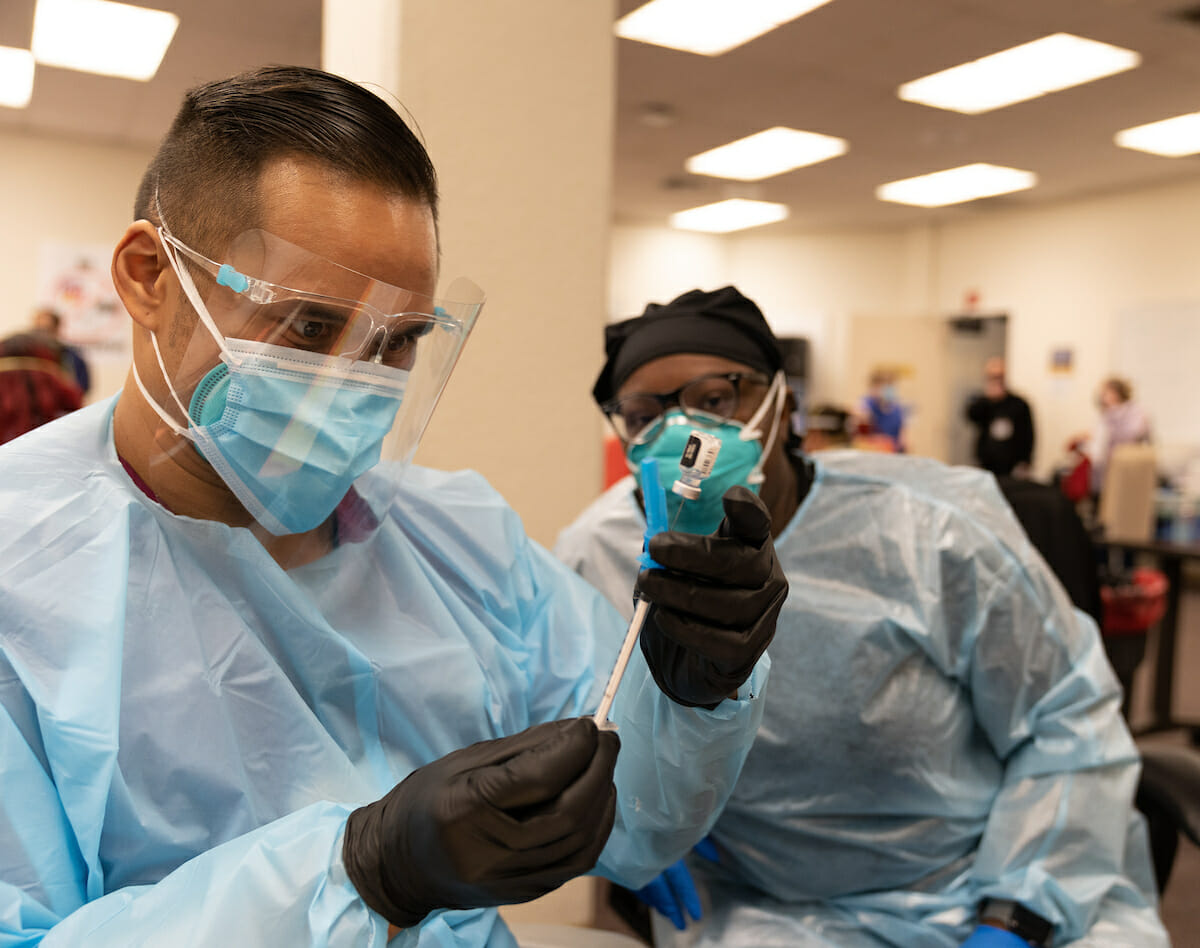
[{"x": 618, "y": 672}]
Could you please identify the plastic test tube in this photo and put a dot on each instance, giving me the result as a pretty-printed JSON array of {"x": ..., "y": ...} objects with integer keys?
[{"x": 656, "y": 522}]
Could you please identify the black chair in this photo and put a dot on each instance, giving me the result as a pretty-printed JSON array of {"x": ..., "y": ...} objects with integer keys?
[
  {"x": 1168, "y": 795},
  {"x": 1056, "y": 530}
]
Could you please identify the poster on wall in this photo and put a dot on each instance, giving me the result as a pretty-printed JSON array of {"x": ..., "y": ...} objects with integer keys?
[
  {"x": 74, "y": 280},
  {"x": 1062, "y": 360}
]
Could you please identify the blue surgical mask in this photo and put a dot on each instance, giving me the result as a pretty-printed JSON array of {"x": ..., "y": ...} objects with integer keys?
[
  {"x": 739, "y": 461},
  {"x": 289, "y": 431}
]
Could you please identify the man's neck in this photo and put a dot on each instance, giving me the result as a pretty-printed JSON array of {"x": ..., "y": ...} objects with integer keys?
[{"x": 174, "y": 475}]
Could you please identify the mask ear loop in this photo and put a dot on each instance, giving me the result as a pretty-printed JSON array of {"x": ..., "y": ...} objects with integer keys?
[
  {"x": 153, "y": 402},
  {"x": 226, "y": 276},
  {"x": 773, "y": 402},
  {"x": 193, "y": 297}
]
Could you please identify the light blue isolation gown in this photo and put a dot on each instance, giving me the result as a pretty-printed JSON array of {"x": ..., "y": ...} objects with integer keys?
[
  {"x": 184, "y": 726},
  {"x": 942, "y": 726}
]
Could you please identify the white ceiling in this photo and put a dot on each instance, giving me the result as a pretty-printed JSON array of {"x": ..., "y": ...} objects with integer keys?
[{"x": 833, "y": 71}]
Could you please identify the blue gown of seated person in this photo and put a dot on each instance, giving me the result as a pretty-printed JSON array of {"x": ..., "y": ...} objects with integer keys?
[
  {"x": 185, "y": 726},
  {"x": 942, "y": 727}
]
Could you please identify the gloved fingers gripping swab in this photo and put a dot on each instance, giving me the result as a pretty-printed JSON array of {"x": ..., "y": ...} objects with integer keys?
[
  {"x": 655, "y": 501},
  {"x": 618, "y": 672},
  {"x": 699, "y": 455}
]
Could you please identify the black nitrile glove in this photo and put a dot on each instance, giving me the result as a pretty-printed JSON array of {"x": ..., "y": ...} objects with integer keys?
[
  {"x": 495, "y": 823},
  {"x": 715, "y": 603}
]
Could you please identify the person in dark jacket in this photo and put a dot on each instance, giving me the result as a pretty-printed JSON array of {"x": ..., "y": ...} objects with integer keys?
[{"x": 1004, "y": 442}]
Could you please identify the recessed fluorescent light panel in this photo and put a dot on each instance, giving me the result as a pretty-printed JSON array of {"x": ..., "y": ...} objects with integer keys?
[
  {"x": 112, "y": 39},
  {"x": 16, "y": 77},
  {"x": 956, "y": 185},
  {"x": 1023, "y": 72},
  {"x": 726, "y": 216},
  {"x": 1172, "y": 138},
  {"x": 766, "y": 153},
  {"x": 709, "y": 27}
]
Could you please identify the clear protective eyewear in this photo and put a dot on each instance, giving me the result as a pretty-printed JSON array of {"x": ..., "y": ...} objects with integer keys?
[
  {"x": 267, "y": 290},
  {"x": 354, "y": 328},
  {"x": 708, "y": 401}
]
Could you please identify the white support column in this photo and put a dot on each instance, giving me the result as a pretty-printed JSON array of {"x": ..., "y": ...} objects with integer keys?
[{"x": 515, "y": 101}]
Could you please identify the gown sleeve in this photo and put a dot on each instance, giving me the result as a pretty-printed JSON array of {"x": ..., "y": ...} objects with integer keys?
[{"x": 677, "y": 766}]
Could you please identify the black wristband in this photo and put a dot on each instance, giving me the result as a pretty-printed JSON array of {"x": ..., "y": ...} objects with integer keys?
[{"x": 1016, "y": 918}]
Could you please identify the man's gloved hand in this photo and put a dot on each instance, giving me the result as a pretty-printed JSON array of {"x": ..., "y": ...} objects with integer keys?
[
  {"x": 495, "y": 823},
  {"x": 673, "y": 893},
  {"x": 715, "y": 603}
]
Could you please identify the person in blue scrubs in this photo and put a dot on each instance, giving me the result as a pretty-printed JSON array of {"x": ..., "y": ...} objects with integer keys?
[
  {"x": 880, "y": 411},
  {"x": 942, "y": 760},
  {"x": 258, "y": 687}
]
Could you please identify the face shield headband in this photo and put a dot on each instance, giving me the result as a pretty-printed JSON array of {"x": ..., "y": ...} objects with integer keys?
[{"x": 309, "y": 384}]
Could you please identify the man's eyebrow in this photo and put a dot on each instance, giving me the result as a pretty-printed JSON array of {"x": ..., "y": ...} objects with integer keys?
[{"x": 315, "y": 309}]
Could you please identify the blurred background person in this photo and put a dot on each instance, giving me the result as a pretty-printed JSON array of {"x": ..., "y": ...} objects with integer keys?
[
  {"x": 880, "y": 412},
  {"x": 34, "y": 385},
  {"x": 1004, "y": 424},
  {"x": 1122, "y": 421},
  {"x": 46, "y": 320}
]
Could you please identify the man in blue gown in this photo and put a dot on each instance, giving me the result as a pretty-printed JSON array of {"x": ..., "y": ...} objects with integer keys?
[{"x": 255, "y": 689}]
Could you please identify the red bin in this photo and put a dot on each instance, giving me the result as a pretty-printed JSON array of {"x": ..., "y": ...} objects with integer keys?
[{"x": 1133, "y": 607}]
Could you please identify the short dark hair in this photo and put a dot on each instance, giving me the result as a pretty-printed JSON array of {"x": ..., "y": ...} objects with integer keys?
[{"x": 206, "y": 171}]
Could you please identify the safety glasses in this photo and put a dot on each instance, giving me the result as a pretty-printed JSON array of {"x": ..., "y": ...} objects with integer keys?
[
  {"x": 378, "y": 323},
  {"x": 707, "y": 400}
]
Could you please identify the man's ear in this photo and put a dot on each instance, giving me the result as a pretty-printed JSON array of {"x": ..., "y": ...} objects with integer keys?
[{"x": 141, "y": 275}]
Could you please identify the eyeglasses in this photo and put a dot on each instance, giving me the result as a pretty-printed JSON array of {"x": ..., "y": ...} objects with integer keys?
[
  {"x": 327, "y": 324},
  {"x": 708, "y": 401}
]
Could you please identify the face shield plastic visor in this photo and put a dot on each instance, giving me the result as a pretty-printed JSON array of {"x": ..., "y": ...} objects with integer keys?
[{"x": 301, "y": 373}]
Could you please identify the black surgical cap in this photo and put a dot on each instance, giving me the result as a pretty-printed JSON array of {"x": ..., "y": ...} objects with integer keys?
[{"x": 719, "y": 322}]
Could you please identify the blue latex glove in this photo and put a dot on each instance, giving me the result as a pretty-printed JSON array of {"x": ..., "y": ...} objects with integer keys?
[
  {"x": 673, "y": 893},
  {"x": 988, "y": 936}
]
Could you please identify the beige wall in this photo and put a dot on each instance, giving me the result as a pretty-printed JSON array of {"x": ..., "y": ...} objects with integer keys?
[
  {"x": 1063, "y": 273},
  {"x": 515, "y": 103},
  {"x": 55, "y": 190}
]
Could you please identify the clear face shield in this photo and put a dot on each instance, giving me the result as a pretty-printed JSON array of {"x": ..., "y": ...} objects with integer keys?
[{"x": 299, "y": 370}]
